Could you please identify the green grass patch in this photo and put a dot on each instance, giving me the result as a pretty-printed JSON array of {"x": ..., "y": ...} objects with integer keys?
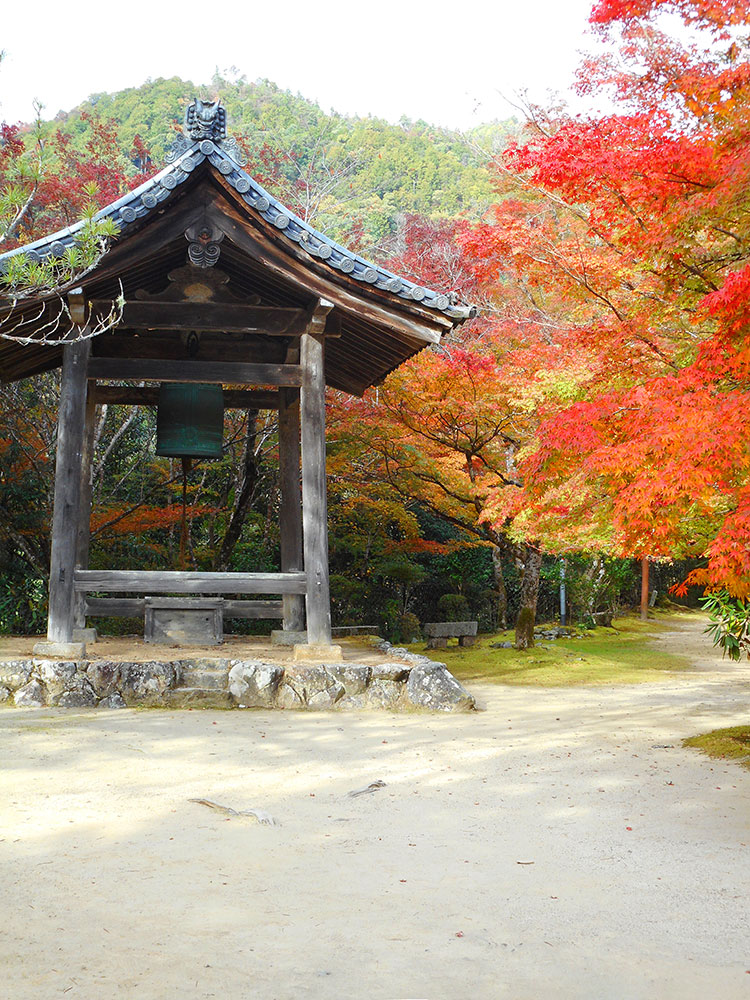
[
  {"x": 724, "y": 744},
  {"x": 619, "y": 655}
]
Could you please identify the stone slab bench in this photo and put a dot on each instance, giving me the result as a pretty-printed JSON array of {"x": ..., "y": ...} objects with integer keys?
[
  {"x": 342, "y": 631},
  {"x": 438, "y": 633}
]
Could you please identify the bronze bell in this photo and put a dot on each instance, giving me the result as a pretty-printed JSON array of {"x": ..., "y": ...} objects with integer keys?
[{"x": 190, "y": 420}]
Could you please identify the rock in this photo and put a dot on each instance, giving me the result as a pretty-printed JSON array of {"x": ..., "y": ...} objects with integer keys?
[
  {"x": 287, "y": 697},
  {"x": 254, "y": 685},
  {"x": 404, "y": 654},
  {"x": 502, "y": 645},
  {"x": 384, "y": 694},
  {"x": 58, "y": 676},
  {"x": 211, "y": 674},
  {"x": 31, "y": 695},
  {"x": 431, "y": 685},
  {"x": 553, "y": 633},
  {"x": 4, "y": 694},
  {"x": 145, "y": 683},
  {"x": 401, "y": 653},
  {"x": 354, "y": 701},
  {"x": 15, "y": 673},
  {"x": 104, "y": 676},
  {"x": 391, "y": 671},
  {"x": 313, "y": 686},
  {"x": 81, "y": 695},
  {"x": 191, "y": 697},
  {"x": 114, "y": 700},
  {"x": 328, "y": 698},
  {"x": 355, "y": 677}
]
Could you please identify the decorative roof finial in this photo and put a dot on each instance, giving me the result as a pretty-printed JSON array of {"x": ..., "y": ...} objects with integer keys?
[{"x": 205, "y": 122}]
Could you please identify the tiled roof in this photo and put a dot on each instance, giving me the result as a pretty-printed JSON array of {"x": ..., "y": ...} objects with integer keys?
[{"x": 222, "y": 153}]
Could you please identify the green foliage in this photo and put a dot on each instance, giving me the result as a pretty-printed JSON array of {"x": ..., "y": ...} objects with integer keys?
[
  {"x": 453, "y": 608},
  {"x": 730, "y": 623},
  {"x": 23, "y": 605},
  {"x": 409, "y": 627},
  {"x": 596, "y": 587},
  {"x": 22, "y": 275}
]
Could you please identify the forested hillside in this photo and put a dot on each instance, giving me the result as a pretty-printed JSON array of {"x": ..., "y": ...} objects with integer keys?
[{"x": 349, "y": 176}]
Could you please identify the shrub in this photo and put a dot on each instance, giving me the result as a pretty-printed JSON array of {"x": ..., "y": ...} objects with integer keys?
[{"x": 453, "y": 607}]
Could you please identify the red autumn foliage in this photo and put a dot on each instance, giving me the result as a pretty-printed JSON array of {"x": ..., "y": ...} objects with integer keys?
[
  {"x": 59, "y": 182},
  {"x": 628, "y": 233}
]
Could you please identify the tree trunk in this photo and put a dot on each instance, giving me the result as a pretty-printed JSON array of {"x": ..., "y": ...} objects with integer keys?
[
  {"x": 529, "y": 593},
  {"x": 499, "y": 587},
  {"x": 644, "y": 588}
]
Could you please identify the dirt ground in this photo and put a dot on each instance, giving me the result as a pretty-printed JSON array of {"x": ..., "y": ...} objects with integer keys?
[{"x": 559, "y": 843}]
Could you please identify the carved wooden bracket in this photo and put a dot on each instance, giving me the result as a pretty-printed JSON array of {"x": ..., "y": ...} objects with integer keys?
[
  {"x": 318, "y": 316},
  {"x": 203, "y": 245}
]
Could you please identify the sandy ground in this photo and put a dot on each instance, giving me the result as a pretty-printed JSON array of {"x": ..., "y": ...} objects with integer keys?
[{"x": 559, "y": 844}]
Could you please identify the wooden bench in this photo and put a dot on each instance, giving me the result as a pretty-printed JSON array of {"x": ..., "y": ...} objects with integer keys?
[
  {"x": 438, "y": 633},
  {"x": 184, "y": 620},
  {"x": 179, "y": 622}
]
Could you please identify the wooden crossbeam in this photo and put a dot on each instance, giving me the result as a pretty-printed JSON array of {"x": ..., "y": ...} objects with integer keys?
[
  {"x": 148, "y": 395},
  {"x": 220, "y": 372},
  {"x": 223, "y": 317},
  {"x": 168, "y": 582},
  {"x": 253, "y": 609},
  {"x": 135, "y": 607}
]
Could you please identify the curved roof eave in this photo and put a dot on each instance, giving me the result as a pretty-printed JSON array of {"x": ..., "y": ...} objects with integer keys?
[{"x": 138, "y": 204}]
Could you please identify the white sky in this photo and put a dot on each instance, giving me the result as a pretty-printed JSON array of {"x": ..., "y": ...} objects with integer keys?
[{"x": 451, "y": 64}]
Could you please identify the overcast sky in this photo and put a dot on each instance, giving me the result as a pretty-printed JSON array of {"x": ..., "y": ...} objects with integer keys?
[{"x": 451, "y": 64}]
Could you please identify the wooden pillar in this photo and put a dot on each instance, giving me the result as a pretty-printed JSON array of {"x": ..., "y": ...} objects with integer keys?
[
  {"x": 314, "y": 503},
  {"x": 66, "y": 513},
  {"x": 290, "y": 516},
  {"x": 84, "y": 520}
]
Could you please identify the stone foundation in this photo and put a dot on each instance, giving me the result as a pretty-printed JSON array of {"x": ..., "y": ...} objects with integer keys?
[{"x": 406, "y": 682}]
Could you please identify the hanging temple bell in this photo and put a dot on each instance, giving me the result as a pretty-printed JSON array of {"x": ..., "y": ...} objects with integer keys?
[{"x": 190, "y": 420}]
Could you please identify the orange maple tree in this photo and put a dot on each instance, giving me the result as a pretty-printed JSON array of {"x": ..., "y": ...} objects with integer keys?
[{"x": 444, "y": 429}]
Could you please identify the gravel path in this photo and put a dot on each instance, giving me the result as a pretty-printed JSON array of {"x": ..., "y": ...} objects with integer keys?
[{"x": 560, "y": 843}]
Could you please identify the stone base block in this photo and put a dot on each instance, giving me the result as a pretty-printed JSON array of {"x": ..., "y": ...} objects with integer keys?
[
  {"x": 67, "y": 650},
  {"x": 312, "y": 653},
  {"x": 437, "y": 642},
  {"x": 85, "y": 635},
  {"x": 282, "y": 637}
]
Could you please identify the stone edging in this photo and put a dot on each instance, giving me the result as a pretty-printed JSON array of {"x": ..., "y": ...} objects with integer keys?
[{"x": 407, "y": 682}]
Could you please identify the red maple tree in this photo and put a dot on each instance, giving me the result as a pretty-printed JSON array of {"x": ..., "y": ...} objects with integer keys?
[{"x": 628, "y": 236}]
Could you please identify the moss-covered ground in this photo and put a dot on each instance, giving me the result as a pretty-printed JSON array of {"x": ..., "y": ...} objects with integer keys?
[
  {"x": 619, "y": 655},
  {"x": 724, "y": 744}
]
